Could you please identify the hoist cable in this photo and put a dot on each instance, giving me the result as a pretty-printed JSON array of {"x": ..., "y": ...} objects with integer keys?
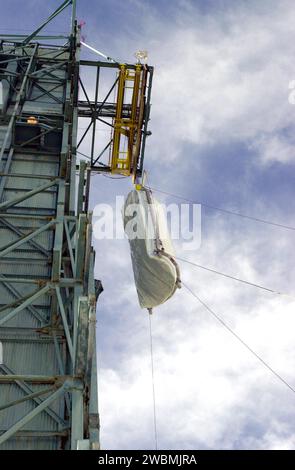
[
  {"x": 110, "y": 59},
  {"x": 228, "y": 328},
  {"x": 153, "y": 382},
  {"x": 252, "y": 284},
  {"x": 226, "y": 211}
]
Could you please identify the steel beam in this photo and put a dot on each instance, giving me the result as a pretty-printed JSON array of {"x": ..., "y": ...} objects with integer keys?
[
  {"x": 19, "y": 298},
  {"x": 28, "y": 390},
  {"x": 26, "y": 238},
  {"x": 27, "y": 397},
  {"x": 12, "y": 202},
  {"x": 34, "y": 379},
  {"x": 65, "y": 323},
  {"x": 27, "y": 418},
  {"x": 19, "y": 97},
  {"x": 23, "y": 305},
  {"x": 64, "y": 5},
  {"x": 16, "y": 230}
]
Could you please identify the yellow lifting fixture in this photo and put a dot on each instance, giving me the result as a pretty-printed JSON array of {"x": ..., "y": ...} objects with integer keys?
[{"x": 127, "y": 130}]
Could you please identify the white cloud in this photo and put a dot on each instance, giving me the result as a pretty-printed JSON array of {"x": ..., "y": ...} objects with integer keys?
[
  {"x": 219, "y": 77},
  {"x": 210, "y": 391},
  {"x": 275, "y": 148}
]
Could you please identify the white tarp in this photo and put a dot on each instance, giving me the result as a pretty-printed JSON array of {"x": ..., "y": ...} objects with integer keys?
[{"x": 156, "y": 272}]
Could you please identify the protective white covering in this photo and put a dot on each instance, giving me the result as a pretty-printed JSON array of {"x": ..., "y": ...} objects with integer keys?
[{"x": 156, "y": 272}]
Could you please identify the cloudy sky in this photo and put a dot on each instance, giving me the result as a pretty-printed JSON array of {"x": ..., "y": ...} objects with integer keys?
[{"x": 223, "y": 134}]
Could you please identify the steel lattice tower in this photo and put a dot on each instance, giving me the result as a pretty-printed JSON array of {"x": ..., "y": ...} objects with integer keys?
[{"x": 48, "y": 389}]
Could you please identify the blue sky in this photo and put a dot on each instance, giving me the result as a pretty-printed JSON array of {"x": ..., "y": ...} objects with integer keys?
[{"x": 223, "y": 134}]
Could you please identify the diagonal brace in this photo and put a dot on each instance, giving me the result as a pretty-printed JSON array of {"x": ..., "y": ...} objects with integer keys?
[
  {"x": 27, "y": 418},
  {"x": 27, "y": 302},
  {"x": 53, "y": 15},
  {"x": 31, "y": 396},
  {"x": 26, "y": 238},
  {"x": 12, "y": 202},
  {"x": 65, "y": 322}
]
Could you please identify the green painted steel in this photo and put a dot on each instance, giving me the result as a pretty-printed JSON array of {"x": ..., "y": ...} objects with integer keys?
[{"x": 48, "y": 378}]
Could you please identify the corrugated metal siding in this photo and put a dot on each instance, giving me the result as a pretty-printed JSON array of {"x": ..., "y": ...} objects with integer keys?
[{"x": 26, "y": 349}]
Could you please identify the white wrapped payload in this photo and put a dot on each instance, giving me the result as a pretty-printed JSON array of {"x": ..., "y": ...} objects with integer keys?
[{"x": 156, "y": 272}]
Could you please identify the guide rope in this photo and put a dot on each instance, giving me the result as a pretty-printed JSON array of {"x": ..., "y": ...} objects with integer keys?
[{"x": 153, "y": 379}]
